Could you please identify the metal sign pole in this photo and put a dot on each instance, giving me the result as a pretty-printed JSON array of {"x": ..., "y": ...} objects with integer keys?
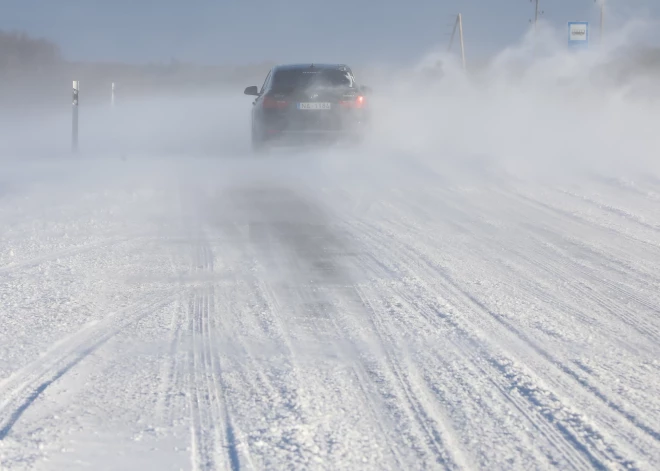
[
  {"x": 536, "y": 15},
  {"x": 74, "y": 127},
  {"x": 602, "y": 19}
]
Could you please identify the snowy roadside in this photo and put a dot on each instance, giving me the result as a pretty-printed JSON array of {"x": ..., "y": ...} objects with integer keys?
[{"x": 72, "y": 235}]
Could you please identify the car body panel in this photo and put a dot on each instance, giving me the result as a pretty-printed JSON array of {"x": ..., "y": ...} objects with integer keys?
[{"x": 316, "y": 101}]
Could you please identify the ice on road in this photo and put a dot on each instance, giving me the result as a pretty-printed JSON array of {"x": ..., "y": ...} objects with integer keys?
[{"x": 313, "y": 312}]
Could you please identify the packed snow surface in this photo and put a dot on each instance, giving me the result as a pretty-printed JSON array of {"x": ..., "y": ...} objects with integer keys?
[
  {"x": 302, "y": 312},
  {"x": 477, "y": 287}
]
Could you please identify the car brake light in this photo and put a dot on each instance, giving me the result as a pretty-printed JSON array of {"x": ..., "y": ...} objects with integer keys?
[
  {"x": 270, "y": 102},
  {"x": 357, "y": 103}
]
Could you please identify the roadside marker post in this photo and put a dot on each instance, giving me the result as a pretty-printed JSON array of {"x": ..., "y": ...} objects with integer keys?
[{"x": 74, "y": 124}]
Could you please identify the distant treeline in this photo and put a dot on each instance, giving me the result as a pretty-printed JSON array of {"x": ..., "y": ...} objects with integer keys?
[
  {"x": 34, "y": 72},
  {"x": 19, "y": 52}
]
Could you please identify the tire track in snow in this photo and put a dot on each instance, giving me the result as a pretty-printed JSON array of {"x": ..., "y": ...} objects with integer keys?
[
  {"x": 24, "y": 387},
  {"x": 475, "y": 352},
  {"x": 609, "y": 254},
  {"x": 584, "y": 429},
  {"x": 562, "y": 430},
  {"x": 269, "y": 298},
  {"x": 272, "y": 386},
  {"x": 428, "y": 420},
  {"x": 212, "y": 435},
  {"x": 627, "y": 215},
  {"x": 420, "y": 407},
  {"x": 213, "y": 432},
  {"x": 478, "y": 357},
  {"x": 586, "y": 286},
  {"x": 172, "y": 370},
  {"x": 581, "y": 220},
  {"x": 536, "y": 254},
  {"x": 172, "y": 383},
  {"x": 620, "y": 313},
  {"x": 557, "y": 264},
  {"x": 420, "y": 399},
  {"x": 629, "y": 186},
  {"x": 302, "y": 251},
  {"x": 252, "y": 312},
  {"x": 67, "y": 253},
  {"x": 642, "y": 324},
  {"x": 553, "y": 252},
  {"x": 552, "y": 266}
]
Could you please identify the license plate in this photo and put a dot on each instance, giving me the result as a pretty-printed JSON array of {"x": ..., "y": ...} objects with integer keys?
[{"x": 314, "y": 106}]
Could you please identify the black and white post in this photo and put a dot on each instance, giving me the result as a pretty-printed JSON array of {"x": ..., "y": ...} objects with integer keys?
[
  {"x": 112, "y": 96},
  {"x": 74, "y": 124}
]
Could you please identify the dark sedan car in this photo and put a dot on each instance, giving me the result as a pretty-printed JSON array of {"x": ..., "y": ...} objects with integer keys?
[{"x": 305, "y": 103}]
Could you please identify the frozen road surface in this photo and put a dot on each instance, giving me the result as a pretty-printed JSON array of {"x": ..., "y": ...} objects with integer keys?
[{"x": 311, "y": 312}]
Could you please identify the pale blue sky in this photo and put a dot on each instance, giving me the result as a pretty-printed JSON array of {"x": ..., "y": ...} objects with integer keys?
[{"x": 247, "y": 31}]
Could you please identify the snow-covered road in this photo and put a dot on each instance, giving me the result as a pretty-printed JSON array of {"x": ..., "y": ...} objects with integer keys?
[{"x": 316, "y": 312}]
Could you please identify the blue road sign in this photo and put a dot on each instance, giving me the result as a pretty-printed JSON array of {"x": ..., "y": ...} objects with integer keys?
[{"x": 578, "y": 34}]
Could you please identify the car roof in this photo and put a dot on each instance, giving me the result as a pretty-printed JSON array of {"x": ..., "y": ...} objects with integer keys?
[{"x": 312, "y": 65}]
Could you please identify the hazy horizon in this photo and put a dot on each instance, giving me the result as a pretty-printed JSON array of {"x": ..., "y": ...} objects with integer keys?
[{"x": 239, "y": 33}]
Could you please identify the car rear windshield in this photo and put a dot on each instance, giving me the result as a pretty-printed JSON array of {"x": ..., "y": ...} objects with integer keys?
[{"x": 298, "y": 79}]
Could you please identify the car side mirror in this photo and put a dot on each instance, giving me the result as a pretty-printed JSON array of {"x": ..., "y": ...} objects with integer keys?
[
  {"x": 365, "y": 90},
  {"x": 253, "y": 91}
]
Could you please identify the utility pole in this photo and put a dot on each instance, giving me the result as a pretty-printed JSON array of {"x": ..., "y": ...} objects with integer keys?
[
  {"x": 602, "y": 19},
  {"x": 537, "y": 12},
  {"x": 460, "y": 31},
  {"x": 458, "y": 24}
]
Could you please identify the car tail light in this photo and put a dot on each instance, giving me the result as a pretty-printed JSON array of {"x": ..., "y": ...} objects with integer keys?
[
  {"x": 270, "y": 102},
  {"x": 359, "y": 102}
]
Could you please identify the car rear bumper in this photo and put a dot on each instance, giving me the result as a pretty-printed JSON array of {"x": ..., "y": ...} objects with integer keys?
[
  {"x": 293, "y": 131},
  {"x": 295, "y": 137},
  {"x": 339, "y": 120}
]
